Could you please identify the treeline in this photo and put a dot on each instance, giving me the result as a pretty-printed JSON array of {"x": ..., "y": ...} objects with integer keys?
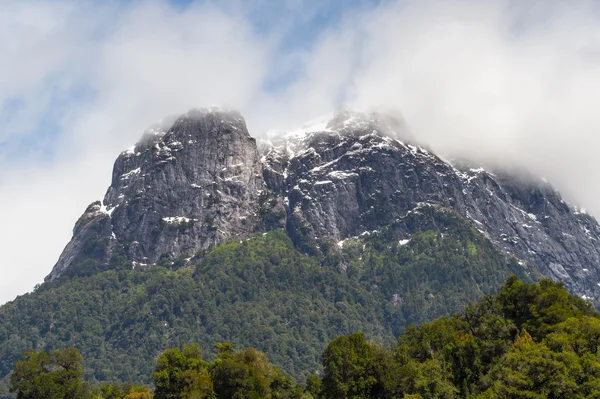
[
  {"x": 260, "y": 292},
  {"x": 528, "y": 341},
  {"x": 179, "y": 373}
]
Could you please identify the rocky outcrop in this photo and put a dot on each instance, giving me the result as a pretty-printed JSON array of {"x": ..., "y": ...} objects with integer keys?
[
  {"x": 203, "y": 181},
  {"x": 178, "y": 191},
  {"x": 92, "y": 240},
  {"x": 357, "y": 173}
]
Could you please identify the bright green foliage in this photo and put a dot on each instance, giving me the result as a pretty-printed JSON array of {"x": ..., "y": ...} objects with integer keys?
[
  {"x": 314, "y": 386},
  {"x": 140, "y": 395},
  {"x": 486, "y": 352},
  {"x": 531, "y": 370},
  {"x": 182, "y": 374},
  {"x": 119, "y": 390},
  {"x": 41, "y": 376},
  {"x": 260, "y": 292},
  {"x": 249, "y": 374},
  {"x": 349, "y": 364}
]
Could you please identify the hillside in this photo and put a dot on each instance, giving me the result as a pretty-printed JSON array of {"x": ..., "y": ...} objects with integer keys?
[
  {"x": 187, "y": 187},
  {"x": 345, "y": 225},
  {"x": 528, "y": 341},
  {"x": 259, "y": 292}
]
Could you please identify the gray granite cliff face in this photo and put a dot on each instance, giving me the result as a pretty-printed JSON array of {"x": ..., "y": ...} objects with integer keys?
[
  {"x": 204, "y": 181},
  {"x": 176, "y": 192},
  {"x": 357, "y": 173}
]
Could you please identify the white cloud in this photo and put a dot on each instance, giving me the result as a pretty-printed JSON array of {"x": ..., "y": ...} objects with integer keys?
[
  {"x": 326, "y": 70},
  {"x": 495, "y": 80},
  {"x": 136, "y": 63},
  {"x": 516, "y": 82}
]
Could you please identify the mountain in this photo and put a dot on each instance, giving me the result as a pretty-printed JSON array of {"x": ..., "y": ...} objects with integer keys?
[
  {"x": 528, "y": 341},
  {"x": 205, "y": 180},
  {"x": 355, "y": 174},
  {"x": 175, "y": 192},
  {"x": 348, "y": 224}
]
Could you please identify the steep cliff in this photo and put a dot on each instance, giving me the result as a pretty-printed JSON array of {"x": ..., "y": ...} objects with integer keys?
[
  {"x": 345, "y": 225},
  {"x": 356, "y": 173},
  {"x": 174, "y": 193},
  {"x": 204, "y": 180}
]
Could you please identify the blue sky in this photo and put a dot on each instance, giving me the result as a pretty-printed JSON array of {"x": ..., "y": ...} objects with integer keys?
[
  {"x": 297, "y": 24},
  {"x": 507, "y": 82}
]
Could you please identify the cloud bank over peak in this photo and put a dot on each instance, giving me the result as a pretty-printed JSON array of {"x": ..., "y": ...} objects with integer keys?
[{"x": 515, "y": 83}]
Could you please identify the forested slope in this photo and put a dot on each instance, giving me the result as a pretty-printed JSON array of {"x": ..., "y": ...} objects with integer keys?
[
  {"x": 528, "y": 341},
  {"x": 259, "y": 292}
]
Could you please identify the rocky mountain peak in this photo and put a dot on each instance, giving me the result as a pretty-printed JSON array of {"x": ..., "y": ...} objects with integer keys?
[
  {"x": 201, "y": 180},
  {"x": 357, "y": 173},
  {"x": 175, "y": 192},
  {"x": 341, "y": 124}
]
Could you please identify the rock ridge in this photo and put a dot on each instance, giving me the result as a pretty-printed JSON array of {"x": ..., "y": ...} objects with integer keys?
[{"x": 204, "y": 179}]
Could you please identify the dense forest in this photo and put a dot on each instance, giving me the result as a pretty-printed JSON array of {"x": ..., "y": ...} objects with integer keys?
[
  {"x": 528, "y": 341},
  {"x": 262, "y": 292}
]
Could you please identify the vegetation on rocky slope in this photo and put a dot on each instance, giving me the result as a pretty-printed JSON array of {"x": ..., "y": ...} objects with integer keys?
[
  {"x": 258, "y": 292},
  {"x": 529, "y": 341}
]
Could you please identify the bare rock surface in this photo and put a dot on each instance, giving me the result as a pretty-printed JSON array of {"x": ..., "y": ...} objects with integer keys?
[{"x": 204, "y": 180}]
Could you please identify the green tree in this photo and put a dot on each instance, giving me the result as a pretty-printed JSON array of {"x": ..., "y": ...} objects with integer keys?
[
  {"x": 431, "y": 380},
  {"x": 182, "y": 374},
  {"x": 248, "y": 374},
  {"x": 530, "y": 370},
  {"x": 314, "y": 386},
  {"x": 349, "y": 363},
  {"x": 120, "y": 390},
  {"x": 40, "y": 375},
  {"x": 140, "y": 392},
  {"x": 116, "y": 390}
]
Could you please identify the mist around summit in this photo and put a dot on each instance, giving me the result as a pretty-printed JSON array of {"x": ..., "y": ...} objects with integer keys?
[
  {"x": 207, "y": 234},
  {"x": 505, "y": 83}
]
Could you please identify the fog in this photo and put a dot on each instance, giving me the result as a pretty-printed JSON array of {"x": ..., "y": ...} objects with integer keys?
[{"x": 504, "y": 82}]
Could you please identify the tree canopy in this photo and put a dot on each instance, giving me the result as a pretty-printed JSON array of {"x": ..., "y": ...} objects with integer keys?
[{"x": 531, "y": 340}]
